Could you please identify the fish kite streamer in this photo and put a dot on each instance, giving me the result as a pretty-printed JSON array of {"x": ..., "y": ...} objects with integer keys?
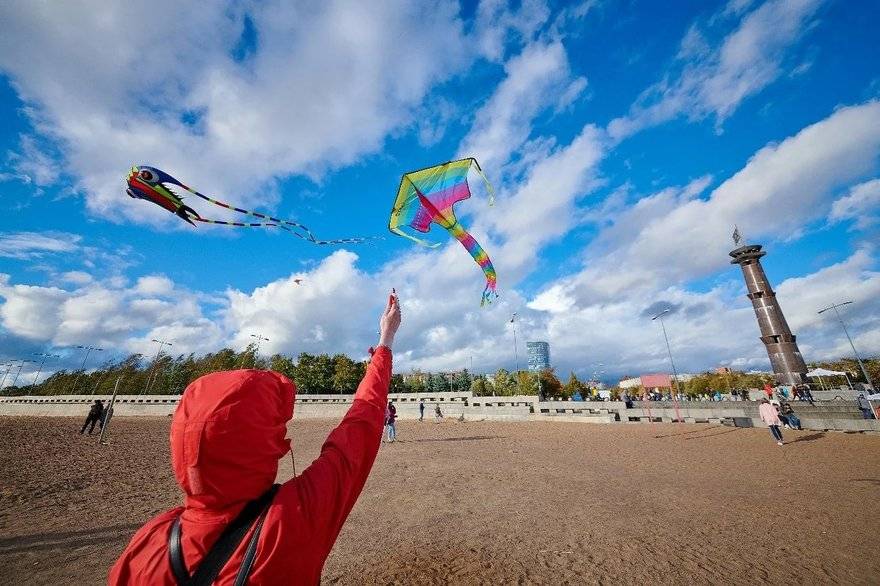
[
  {"x": 153, "y": 185},
  {"x": 427, "y": 196}
]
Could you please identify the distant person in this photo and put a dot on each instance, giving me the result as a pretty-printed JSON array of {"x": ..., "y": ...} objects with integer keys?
[
  {"x": 96, "y": 415},
  {"x": 391, "y": 421},
  {"x": 768, "y": 390},
  {"x": 228, "y": 434},
  {"x": 788, "y": 417},
  {"x": 421, "y": 410},
  {"x": 807, "y": 394},
  {"x": 438, "y": 414},
  {"x": 627, "y": 400},
  {"x": 770, "y": 416},
  {"x": 865, "y": 406}
]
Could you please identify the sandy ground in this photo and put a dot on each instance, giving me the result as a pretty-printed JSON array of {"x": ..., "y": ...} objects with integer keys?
[{"x": 489, "y": 503}]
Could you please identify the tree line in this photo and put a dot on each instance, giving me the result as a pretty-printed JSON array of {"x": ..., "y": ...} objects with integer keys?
[{"x": 339, "y": 374}]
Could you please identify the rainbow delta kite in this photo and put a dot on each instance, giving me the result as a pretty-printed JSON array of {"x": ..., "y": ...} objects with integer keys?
[
  {"x": 427, "y": 196},
  {"x": 153, "y": 185}
]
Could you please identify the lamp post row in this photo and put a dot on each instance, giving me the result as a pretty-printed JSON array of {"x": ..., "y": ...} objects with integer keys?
[{"x": 162, "y": 343}]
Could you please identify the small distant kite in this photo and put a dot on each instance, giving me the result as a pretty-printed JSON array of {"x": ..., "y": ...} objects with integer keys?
[
  {"x": 298, "y": 281},
  {"x": 153, "y": 185},
  {"x": 427, "y": 196}
]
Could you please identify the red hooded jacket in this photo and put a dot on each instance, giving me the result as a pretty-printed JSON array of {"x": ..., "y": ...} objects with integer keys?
[{"x": 226, "y": 438}]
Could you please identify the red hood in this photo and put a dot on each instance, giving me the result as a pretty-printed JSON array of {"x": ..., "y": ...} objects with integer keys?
[{"x": 227, "y": 435}]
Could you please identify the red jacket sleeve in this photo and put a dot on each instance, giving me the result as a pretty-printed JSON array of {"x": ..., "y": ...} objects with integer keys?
[{"x": 329, "y": 488}]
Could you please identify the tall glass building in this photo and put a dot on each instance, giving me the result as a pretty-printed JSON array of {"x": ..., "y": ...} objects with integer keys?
[{"x": 539, "y": 355}]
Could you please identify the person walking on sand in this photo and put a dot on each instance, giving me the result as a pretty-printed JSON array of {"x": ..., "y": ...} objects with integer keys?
[
  {"x": 391, "y": 421},
  {"x": 235, "y": 526},
  {"x": 770, "y": 417},
  {"x": 864, "y": 407},
  {"x": 438, "y": 415},
  {"x": 96, "y": 415},
  {"x": 421, "y": 410}
]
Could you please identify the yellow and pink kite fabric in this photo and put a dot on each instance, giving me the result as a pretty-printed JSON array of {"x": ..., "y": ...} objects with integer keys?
[{"x": 428, "y": 195}]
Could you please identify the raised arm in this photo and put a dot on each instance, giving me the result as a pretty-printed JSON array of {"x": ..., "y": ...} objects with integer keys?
[{"x": 329, "y": 487}]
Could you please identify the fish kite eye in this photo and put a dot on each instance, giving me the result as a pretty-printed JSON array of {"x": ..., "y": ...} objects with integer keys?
[{"x": 147, "y": 175}]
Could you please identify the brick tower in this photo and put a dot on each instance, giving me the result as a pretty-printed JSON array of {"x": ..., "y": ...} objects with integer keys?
[{"x": 785, "y": 357}]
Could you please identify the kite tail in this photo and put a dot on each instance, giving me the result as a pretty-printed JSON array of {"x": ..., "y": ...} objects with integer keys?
[
  {"x": 293, "y": 227},
  {"x": 247, "y": 225},
  {"x": 476, "y": 251}
]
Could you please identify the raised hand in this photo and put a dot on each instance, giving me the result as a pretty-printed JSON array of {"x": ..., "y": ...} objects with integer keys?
[{"x": 390, "y": 321}]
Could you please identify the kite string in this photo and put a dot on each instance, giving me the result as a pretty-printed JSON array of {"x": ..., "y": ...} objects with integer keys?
[{"x": 272, "y": 222}]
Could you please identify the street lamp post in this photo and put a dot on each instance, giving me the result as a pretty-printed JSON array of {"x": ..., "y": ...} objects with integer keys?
[
  {"x": 8, "y": 366},
  {"x": 82, "y": 368},
  {"x": 853, "y": 346},
  {"x": 260, "y": 339},
  {"x": 515, "y": 350},
  {"x": 161, "y": 343},
  {"x": 20, "y": 366},
  {"x": 671, "y": 361},
  {"x": 42, "y": 362}
]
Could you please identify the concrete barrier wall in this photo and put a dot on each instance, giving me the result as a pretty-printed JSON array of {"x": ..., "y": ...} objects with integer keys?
[
  {"x": 844, "y": 393},
  {"x": 832, "y": 415}
]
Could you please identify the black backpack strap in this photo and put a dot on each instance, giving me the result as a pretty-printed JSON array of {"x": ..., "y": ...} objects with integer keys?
[
  {"x": 225, "y": 546},
  {"x": 250, "y": 553},
  {"x": 178, "y": 566}
]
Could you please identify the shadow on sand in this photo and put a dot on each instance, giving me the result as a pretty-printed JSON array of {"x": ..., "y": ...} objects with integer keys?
[
  {"x": 808, "y": 438},
  {"x": 731, "y": 430},
  {"x": 874, "y": 481},
  {"x": 66, "y": 539},
  {"x": 688, "y": 432},
  {"x": 472, "y": 438}
]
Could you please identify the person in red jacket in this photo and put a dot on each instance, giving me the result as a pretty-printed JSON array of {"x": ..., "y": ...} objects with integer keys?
[{"x": 227, "y": 435}]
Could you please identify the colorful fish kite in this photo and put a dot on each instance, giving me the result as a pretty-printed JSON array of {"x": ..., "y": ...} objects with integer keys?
[
  {"x": 153, "y": 185},
  {"x": 427, "y": 196}
]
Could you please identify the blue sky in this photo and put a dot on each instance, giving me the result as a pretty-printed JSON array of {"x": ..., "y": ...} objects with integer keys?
[{"x": 624, "y": 139}]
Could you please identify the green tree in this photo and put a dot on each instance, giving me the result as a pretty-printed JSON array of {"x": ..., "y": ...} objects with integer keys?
[
  {"x": 573, "y": 386},
  {"x": 416, "y": 383},
  {"x": 314, "y": 374},
  {"x": 347, "y": 374},
  {"x": 397, "y": 384},
  {"x": 462, "y": 382},
  {"x": 284, "y": 365},
  {"x": 504, "y": 383},
  {"x": 437, "y": 383},
  {"x": 482, "y": 387},
  {"x": 527, "y": 383}
]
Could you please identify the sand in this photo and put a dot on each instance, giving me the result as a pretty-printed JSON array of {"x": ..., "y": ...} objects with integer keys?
[{"x": 489, "y": 503}]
